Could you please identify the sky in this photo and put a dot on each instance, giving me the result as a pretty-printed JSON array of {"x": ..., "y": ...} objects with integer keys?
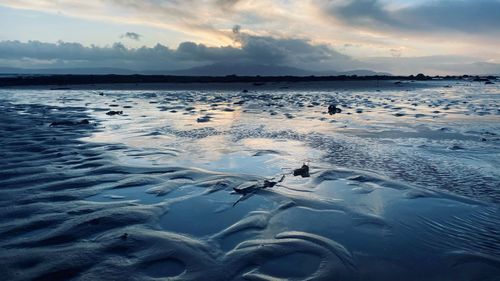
[{"x": 435, "y": 37}]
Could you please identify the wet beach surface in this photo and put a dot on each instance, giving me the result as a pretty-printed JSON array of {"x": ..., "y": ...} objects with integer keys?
[{"x": 139, "y": 185}]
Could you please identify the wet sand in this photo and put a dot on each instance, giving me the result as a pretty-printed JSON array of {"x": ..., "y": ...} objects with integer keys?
[{"x": 403, "y": 183}]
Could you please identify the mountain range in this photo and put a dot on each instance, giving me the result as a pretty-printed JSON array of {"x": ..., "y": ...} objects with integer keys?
[{"x": 206, "y": 70}]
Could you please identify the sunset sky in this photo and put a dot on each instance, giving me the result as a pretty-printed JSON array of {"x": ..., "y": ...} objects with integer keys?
[{"x": 400, "y": 37}]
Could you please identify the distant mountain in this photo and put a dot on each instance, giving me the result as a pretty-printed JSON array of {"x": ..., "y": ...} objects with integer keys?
[
  {"x": 219, "y": 69},
  {"x": 240, "y": 69}
]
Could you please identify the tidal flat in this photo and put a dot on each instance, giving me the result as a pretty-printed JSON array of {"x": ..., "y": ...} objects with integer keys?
[{"x": 145, "y": 184}]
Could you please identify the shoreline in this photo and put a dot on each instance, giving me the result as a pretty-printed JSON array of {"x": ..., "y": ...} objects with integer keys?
[
  {"x": 242, "y": 86},
  {"x": 167, "y": 82}
]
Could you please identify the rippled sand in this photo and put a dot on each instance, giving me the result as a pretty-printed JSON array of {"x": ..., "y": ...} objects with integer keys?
[{"x": 404, "y": 183}]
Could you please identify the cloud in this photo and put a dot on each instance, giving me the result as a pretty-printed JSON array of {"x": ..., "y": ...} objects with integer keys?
[
  {"x": 253, "y": 50},
  {"x": 276, "y": 33},
  {"x": 465, "y": 16},
  {"x": 132, "y": 36},
  {"x": 193, "y": 18},
  {"x": 262, "y": 50},
  {"x": 422, "y": 27}
]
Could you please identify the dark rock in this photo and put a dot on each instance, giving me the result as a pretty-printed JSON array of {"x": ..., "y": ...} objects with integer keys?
[
  {"x": 203, "y": 119},
  {"x": 421, "y": 76},
  {"x": 113, "y": 112},
  {"x": 332, "y": 109},
  {"x": 124, "y": 236},
  {"x": 302, "y": 171}
]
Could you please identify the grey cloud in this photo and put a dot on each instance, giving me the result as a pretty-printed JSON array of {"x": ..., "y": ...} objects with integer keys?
[
  {"x": 132, "y": 35},
  {"x": 428, "y": 16},
  {"x": 254, "y": 49},
  {"x": 236, "y": 29},
  {"x": 260, "y": 50}
]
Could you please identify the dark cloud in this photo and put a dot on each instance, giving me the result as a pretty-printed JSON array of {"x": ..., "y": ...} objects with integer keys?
[
  {"x": 428, "y": 16},
  {"x": 254, "y": 49},
  {"x": 132, "y": 35},
  {"x": 236, "y": 29}
]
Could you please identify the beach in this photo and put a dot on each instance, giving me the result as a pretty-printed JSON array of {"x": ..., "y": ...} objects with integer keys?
[{"x": 196, "y": 181}]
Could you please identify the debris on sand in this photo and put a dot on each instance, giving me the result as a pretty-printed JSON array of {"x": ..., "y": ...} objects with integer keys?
[
  {"x": 113, "y": 112},
  {"x": 69, "y": 123},
  {"x": 246, "y": 189},
  {"x": 253, "y": 186},
  {"x": 332, "y": 109},
  {"x": 302, "y": 171}
]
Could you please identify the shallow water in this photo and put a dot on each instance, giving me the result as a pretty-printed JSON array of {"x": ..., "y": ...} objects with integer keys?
[{"x": 404, "y": 184}]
